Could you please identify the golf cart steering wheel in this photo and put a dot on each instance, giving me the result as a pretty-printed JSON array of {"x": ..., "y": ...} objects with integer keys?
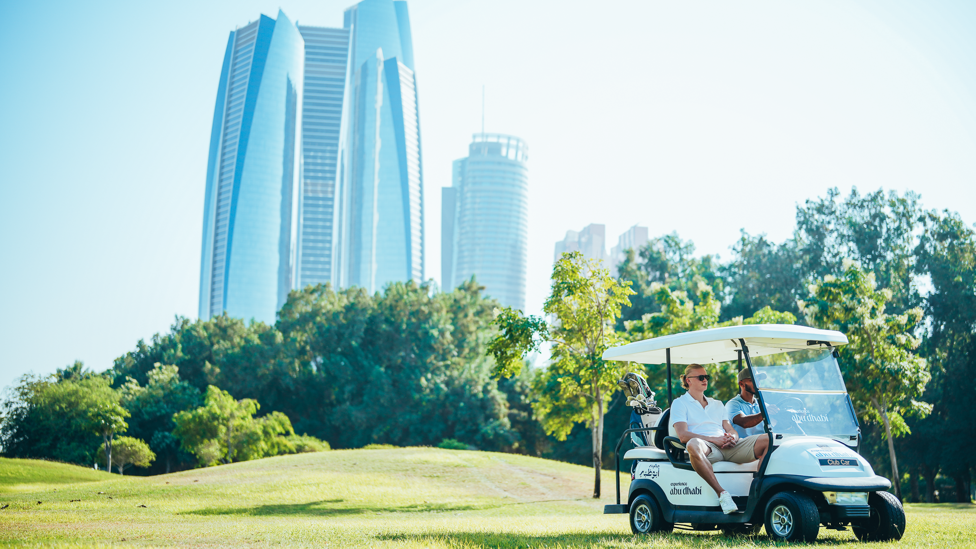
[{"x": 793, "y": 406}]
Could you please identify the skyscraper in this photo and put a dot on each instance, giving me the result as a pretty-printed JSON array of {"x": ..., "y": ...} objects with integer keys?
[
  {"x": 249, "y": 228},
  {"x": 591, "y": 242},
  {"x": 634, "y": 239},
  {"x": 485, "y": 219},
  {"x": 381, "y": 235},
  {"x": 326, "y": 53}
]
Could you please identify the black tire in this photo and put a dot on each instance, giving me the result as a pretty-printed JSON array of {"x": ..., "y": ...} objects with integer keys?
[
  {"x": 887, "y": 520},
  {"x": 737, "y": 530},
  {"x": 791, "y": 516},
  {"x": 646, "y": 517}
]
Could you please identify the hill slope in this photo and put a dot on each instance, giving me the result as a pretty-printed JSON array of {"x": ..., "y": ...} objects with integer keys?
[{"x": 400, "y": 498}]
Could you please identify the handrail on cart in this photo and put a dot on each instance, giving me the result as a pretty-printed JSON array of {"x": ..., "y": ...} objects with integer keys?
[{"x": 616, "y": 451}]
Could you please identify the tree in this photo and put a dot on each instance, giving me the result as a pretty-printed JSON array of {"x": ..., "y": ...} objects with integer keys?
[
  {"x": 152, "y": 408},
  {"x": 947, "y": 254},
  {"x": 225, "y": 430},
  {"x": 410, "y": 350},
  {"x": 106, "y": 417},
  {"x": 762, "y": 274},
  {"x": 62, "y": 417},
  {"x": 131, "y": 451},
  {"x": 885, "y": 377},
  {"x": 585, "y": 303},
  {"x": 669, "y": 261}
]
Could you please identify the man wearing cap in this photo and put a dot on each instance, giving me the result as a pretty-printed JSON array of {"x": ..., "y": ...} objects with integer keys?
[{"x": 743, "y": 410}]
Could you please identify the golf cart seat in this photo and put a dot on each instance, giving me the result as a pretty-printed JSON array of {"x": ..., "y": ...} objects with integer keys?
[{"x": 646, "y": 453}]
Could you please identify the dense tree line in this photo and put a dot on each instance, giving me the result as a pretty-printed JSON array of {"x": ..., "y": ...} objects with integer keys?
[{"x": 410, "y": 365}]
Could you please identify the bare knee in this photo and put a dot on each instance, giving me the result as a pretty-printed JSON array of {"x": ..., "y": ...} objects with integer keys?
[{"x": 697, "y": 449}]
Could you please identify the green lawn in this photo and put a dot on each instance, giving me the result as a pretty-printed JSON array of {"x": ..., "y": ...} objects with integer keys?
[{"x": 411, "y": 497}]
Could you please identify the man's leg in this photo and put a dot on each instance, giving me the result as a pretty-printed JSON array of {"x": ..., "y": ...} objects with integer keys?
[
  {"x": 698, "y": 452},
  {"x": 762, "y": 444}
]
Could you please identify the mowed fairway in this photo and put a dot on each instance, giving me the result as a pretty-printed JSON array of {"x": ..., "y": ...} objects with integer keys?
[{"x": 409, "y": 497}]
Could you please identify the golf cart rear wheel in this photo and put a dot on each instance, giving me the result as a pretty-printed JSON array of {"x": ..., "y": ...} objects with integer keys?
[
  {"x": 887, "y": 520},
  {"x": 733, "y": 530},
  {"x": 646, "y": 517},
  {"x": 792, "y": 516}
]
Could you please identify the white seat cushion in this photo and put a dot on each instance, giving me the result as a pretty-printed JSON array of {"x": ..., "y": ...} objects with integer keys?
[
  {"x": 646, "y": 452},
  {"x": 729, "y": 467}
]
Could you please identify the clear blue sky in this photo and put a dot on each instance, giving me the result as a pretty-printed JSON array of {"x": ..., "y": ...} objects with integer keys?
[{"x": 699, "y": 117}]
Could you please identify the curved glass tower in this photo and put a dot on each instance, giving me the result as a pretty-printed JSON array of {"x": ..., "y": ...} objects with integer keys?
[
  {"x": 249, "y": 228},
  {"x": 485, "y": 221},
  {"x": 381, "y": 234}
]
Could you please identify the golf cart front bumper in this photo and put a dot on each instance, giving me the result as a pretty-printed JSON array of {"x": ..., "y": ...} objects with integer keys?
[
  {"x": 616, "y": 509},
  {"x": 873, "y": 483}
]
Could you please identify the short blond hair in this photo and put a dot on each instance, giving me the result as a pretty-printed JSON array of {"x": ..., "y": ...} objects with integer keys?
[{"x": 688, "y": 369}]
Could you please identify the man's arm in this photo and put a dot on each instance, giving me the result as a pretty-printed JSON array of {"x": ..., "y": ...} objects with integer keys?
[{"x": 742, "y": 420}]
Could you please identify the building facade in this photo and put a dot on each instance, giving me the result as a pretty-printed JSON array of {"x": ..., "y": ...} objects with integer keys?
[
  {"x": 591, "y": 242},
  {"x": 634, "y": 239},
  {"x": 381, "y": 231},
  {"x": 485, "y": 219},
  {"x": 250, "y": 221},
  {"x": 326, "y": 56}
]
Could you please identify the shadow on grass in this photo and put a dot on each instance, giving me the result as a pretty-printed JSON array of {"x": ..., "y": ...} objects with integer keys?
[
  {"x": 595, "y": 539},
  {"x": 331, "y": 507}
]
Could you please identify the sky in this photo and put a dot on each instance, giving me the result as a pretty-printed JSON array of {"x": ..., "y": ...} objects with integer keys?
[{"x": 704, "y": 118}]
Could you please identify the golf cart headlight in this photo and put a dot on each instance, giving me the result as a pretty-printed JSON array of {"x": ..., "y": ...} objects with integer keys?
[{"x": 847, "y": 498}]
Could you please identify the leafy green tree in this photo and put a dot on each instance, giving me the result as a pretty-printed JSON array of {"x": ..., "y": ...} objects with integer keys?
[
  {"x": 406, "y": 366},
  {"x": 947, "y": 254},
  {"x": 762, "y": 274},
  {"x": 128, "y": 451},
  {"x": 879, "y": 231},
  {"x": 585, "y": 303},
  {"x": 884, "y": 375},
  {"x": 670, "y": 262},
  {"x": 61, "y": 417},
  {"x": 152, "y": 408},
  {"x": 224, "y": 430}
]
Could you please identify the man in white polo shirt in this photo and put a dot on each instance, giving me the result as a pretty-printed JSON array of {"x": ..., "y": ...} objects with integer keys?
[{"x": 702, "y": 425}]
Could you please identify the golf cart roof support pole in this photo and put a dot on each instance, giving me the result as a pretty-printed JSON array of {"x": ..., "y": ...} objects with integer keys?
[
  {"x": 752, "y": 374},
  {"x": 667, "y": 354},
  {"x": 739, "y": 352}
]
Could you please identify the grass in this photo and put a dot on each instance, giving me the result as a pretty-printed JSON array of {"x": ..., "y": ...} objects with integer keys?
[{"x": 408, "y": 497}]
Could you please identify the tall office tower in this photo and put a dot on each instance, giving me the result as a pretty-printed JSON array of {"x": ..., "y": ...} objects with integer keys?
[
  {"x": 485, "y": 219},
  {"x": 382, "y": 232},
  {"x": 591, "y": 241},
  {"x": 634, "y": 239},
  {"x": 249, "y": 228},
  {"x": 326, "y": 52}
]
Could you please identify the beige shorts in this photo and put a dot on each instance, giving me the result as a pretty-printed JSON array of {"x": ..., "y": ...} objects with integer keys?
[{"x": 744, "y": 451}]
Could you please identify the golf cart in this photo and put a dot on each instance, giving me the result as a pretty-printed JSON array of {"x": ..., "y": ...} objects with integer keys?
[{"x": 812, "y": 474}]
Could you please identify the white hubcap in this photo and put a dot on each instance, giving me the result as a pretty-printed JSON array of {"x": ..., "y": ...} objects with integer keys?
[
  {"x": 782, "y": 521},
  {"x": 642, "y": 518}
]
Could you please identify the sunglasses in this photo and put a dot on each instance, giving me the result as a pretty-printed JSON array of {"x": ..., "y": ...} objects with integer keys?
[{"x": 705, "y": 377}]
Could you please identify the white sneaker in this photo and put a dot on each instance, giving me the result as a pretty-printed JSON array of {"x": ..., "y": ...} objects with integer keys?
[{"x": 728, "y": 506}]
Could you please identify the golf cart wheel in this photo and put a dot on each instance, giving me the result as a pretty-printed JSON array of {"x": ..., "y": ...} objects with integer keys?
[
  {"x": 646, "y": 517},
  {"x": 735, "y": 530},
  {"x": 887, "y": 520},
  {"x": 791, "y": 516}
]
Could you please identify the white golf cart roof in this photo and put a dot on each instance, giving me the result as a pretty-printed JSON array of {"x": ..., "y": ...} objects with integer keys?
[{"x": 720, "y": 344}]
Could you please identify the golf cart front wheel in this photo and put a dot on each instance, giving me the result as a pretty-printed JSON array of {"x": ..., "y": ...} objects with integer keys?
[
  {"x": 887, "y": 520},
  {"x": 646, "y": 517},
  {"x": 791, "y": 516}
]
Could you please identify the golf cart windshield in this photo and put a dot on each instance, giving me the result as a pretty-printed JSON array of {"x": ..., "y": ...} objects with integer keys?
[{"x": 804, "y": 394}]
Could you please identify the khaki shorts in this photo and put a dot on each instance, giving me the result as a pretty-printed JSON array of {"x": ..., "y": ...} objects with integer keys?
[{"x": 744, "y": 451}]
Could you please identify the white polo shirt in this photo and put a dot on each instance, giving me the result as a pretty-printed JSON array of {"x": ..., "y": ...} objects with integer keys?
[{"x": 705, "y": 421}]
